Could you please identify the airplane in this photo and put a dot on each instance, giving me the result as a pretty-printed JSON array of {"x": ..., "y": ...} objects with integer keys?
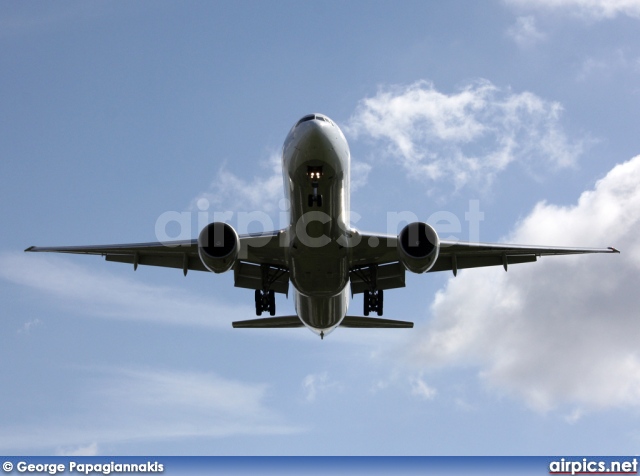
[{"x": 318, "y": 252}]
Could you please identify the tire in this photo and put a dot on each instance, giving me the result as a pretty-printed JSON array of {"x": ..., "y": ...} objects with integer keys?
[
  {"x": 380, "y": 302},
  {"x": 258, "y": 296},
  {"x": 367, "y": 303},
  {"x": 272, "y": 303}
]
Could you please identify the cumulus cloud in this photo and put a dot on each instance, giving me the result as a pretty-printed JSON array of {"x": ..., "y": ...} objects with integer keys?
[
  {"x": 100, "y": 293},
  {"x": 230, "y": 192},
  {"x": 464, "y": 137},
  {"x": 564, "y": 330},
  {"x": 525, "y": 32},
  {"x": 591, "y": 9},
  {"x": 126, "y": 404}
]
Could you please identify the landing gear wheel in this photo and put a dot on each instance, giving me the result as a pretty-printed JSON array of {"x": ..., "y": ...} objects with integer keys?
[
  {"x": 272, "y": 303},
  {"x": 310, "y": 200},
  {"x": 380, "y": 301},
  {"x": 258, "y": 296},
  {"x": 367, "y": 303},
  {"x": 319, "y": 200}
]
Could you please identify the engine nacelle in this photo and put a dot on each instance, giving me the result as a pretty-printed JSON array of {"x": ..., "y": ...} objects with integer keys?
[
  {"x": 418, "y": 247},
  {"x": 218, "y": 246}
]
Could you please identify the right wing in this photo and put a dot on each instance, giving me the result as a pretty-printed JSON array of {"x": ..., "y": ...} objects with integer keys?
[{"x": 258, "y": 254}]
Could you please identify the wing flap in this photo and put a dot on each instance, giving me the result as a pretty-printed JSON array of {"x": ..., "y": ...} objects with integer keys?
[
  {"x": 388, "y": 276},
  {"x": 173, "y": 260},
  {"x": 445, "y": 262},
  {"x": 251, "y": 276}
]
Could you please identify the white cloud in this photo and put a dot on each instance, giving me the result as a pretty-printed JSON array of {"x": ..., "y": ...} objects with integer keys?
[
  {"x": 230, "y": 192},
  {"x": 313, "y": 384},
  {"x": 591, "y": 9},
  {"x": 563, "y": 331},
  {"x": 525, "y": 33},
  {"x": 464, "y": 137},
  {"x": 608, "y": 66},
  {"x": 86, "y": 450},
  {"x": 94, "y": 291},
  {"x": 359, "y": 174},
  {"x": 420, "y": 388},
  {"x": 126, "y": 404},
  {"x": 28, "y": 326}
]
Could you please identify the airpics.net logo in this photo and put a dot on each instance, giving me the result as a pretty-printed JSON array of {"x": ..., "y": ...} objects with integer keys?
[
  {"x": 174, "y": 226},
  {"x": 587, "y": 466}
]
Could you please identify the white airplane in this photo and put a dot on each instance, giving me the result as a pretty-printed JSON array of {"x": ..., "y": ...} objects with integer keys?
[{"x": 318, "y": 252}]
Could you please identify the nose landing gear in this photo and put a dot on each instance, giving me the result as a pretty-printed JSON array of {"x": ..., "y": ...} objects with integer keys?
[{"x": 315, "y": 173}]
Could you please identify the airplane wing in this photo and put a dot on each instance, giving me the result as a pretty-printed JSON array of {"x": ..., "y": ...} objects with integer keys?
[
  {"x": 371, "y": 249},
  {"x": 455, "y": 255},
  {"x": 257, "y": 252}
]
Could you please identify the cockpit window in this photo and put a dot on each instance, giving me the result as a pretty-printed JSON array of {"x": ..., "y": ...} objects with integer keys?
[
  {"x": 317, "y": 117},
  {"x": 310, "y": 117}
]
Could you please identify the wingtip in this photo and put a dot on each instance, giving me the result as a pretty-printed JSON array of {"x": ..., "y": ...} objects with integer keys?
[
  {"x": 614, "y": 250},
  {"x": 31, "y": 248}
]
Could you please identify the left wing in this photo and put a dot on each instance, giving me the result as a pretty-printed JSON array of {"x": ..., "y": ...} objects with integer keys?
[
  {"x": 380, "y": 252},
  {"x": 455, "y": 255}
]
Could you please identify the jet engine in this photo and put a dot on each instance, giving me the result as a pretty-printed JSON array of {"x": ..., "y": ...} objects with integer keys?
[
  {"x": 418, "y": 247},
  {"x": 218, "y": 246}
]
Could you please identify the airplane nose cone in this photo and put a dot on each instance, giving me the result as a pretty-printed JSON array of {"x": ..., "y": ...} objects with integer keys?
[{"x": 313, "y": 136}]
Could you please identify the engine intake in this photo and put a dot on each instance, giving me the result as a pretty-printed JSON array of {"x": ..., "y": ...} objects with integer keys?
[
  {"x": 418, "y": 247},
  {"x": 218, "y": 246}
]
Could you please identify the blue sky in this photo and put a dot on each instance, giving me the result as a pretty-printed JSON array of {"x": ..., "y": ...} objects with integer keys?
[{"x": 115, "y": 114}]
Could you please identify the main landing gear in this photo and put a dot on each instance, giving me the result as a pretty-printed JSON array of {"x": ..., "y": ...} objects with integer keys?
[
  {"x": 265, "y": 301},
  {"x": 373, "y": 297},
  {"x": 265, "y": 297},
  {"x": 373, "y": 301}
]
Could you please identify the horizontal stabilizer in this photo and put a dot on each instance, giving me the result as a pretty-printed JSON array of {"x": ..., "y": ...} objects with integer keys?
[
  {"x": 373, "y": 322},
  {"x": 267, "y": 322}
]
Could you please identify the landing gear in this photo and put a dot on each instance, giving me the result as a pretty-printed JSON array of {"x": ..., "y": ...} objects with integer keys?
[
  {"x": 265, "y": 301},
  {"x": 314, "y": 174},
  {"x": 373, "y": 297},
  {"x": 266, "y": 297},
  {"x": 373, "y": 301},
  {"x": 314, "y": 197}
]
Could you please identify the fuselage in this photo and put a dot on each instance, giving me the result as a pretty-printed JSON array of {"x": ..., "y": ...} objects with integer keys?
[{"x": 316, "y": 164}]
